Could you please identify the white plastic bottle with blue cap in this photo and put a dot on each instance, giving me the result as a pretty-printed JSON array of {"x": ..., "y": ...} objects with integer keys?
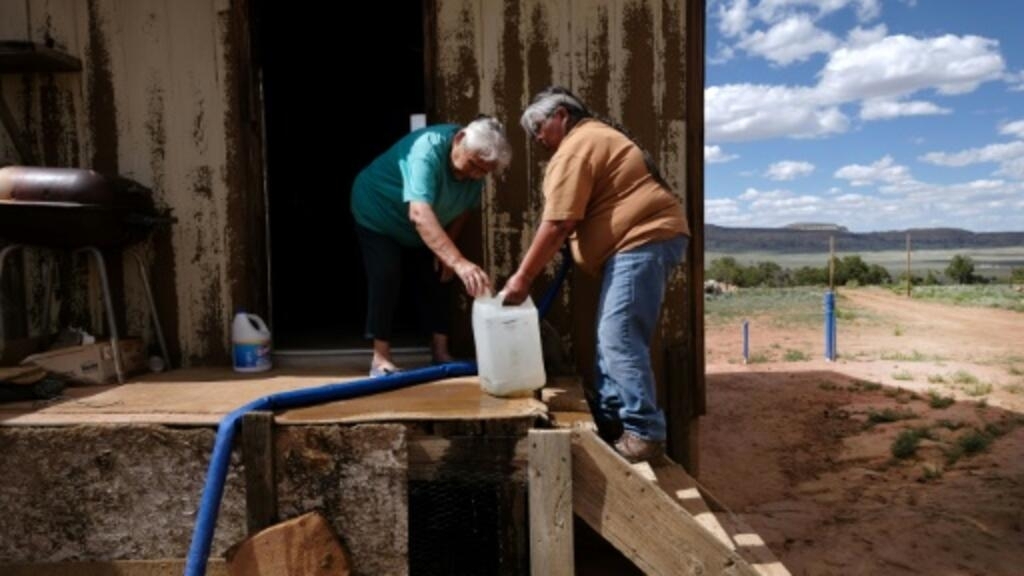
[{"x": 250, "y": 343}]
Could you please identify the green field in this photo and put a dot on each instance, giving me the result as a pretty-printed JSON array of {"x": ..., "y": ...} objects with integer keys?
[{"x": 990, "y": 262}]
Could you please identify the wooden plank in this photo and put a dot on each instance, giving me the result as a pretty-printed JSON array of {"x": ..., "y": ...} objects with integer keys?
[
  {"x": 116, "y": 567},
  {"x": 550, "y": 474},
  {"x": 303, "y": 546},
  {"x": 258, "y": 460},
  {"x": 749, "y": 543},
  {"x": 433, "y": 455},
  {"x": 675, "y": 482},
  {"x": 204, "y": 396},
  {"x": 643, "y": 522}
]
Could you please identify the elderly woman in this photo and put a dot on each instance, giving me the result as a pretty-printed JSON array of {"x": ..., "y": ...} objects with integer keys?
[
  {"x": 603, "y": 190},
  {"x": 415, "y": 198}
]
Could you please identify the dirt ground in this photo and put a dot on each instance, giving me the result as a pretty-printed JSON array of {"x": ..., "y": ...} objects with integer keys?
[{"x": 802, "y": 451}]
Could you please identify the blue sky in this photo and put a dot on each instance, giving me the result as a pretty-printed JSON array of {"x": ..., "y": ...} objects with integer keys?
[{"x": 871, "y": 114}]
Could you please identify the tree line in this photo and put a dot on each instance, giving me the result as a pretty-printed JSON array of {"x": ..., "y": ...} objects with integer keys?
[{"x": 848, "y": 270}]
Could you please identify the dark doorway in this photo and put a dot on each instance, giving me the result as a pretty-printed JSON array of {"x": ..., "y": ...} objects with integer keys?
[{"x": 315, "y": 146}]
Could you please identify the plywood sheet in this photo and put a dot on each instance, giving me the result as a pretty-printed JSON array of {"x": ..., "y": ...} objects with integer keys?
[{"x": 204, "y": 396}]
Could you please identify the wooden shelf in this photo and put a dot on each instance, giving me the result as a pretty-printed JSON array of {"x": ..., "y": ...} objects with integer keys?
[{"x": 19, "y": 56}]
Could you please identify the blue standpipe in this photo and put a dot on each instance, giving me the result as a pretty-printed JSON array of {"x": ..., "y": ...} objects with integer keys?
[
  {"x": 746, "y": 341},
  {"x": 830, "y": 325},
  {"x": 209, "y": 504}
]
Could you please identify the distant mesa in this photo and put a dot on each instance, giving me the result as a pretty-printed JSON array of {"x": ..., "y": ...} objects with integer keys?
[
  {"x": 817, "y": 226},
  {"x": 806, "y": 238}
]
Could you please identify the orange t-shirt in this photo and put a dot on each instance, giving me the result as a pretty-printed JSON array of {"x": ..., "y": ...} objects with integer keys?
[{"x": 598, "y": 177}]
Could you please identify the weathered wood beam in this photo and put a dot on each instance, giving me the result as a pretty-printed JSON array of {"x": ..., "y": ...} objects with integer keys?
[
  {"x": 550, "y": 482},
  {"x": 639, "y": 519},
  {"x": 258, "y": 460}
]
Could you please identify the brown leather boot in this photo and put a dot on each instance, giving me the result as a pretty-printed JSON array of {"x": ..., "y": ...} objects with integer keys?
[{"x": 636, "y": 449}]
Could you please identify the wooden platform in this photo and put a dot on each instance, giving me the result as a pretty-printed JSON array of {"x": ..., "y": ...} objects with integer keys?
[{"x": 203, "y": 396}]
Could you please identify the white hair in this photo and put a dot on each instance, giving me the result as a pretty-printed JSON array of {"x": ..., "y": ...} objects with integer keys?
[{"x": 485, "y": 137}]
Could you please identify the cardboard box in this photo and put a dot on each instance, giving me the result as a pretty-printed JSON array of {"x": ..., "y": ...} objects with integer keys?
[{"x": 92, "y": 363}]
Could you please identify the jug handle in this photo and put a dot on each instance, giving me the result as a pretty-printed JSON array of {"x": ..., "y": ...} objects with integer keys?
[{"x": 260, "y": 324}]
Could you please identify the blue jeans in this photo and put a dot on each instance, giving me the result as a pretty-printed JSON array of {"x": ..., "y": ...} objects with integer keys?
[{"x": 632, "y": 292}]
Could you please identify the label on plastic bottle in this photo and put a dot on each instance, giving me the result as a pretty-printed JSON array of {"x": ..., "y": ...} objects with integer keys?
[{"x": 251, "y": 356}]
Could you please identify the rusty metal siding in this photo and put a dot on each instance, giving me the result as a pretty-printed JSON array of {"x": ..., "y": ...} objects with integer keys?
[
  {"x": 624, "y": 58},
  {"x": 156, "y": 101},
  {"x": 627, "y": 59}
]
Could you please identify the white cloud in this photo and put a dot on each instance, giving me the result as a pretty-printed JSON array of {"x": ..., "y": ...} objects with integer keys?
[
  {"x": 990, "y": 153},
  {"x": 1015, "y": 128},
  {"x": 734, "y": 19},
  {"x": 794, "y": 39},
  {"x": 780, "y": 203},
  {"x": 868, "y": 9},
  {"x": 738, "y": 112},
  {"x": 715, "y": 155},
  {"x": 888, "y": 68},
  {"x": 866, "y": 36},
  {"x": 789, "y": 170},
  {"x": 900, "y": 65},
  {"x": 1012, "y": 168},
  {"x": 882, "y": 171},
  {"x": 1015, "y": 80},
  {"x": 880, "y": 109},
  {"x": 726, "y": 212},
  {"x": 983, "y": 204},
  {"x": 722, "y": 54},
  {"x": 775, "y": 10}
]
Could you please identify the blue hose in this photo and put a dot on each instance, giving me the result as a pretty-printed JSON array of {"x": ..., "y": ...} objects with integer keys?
[
  {"x": 549, "y": 296},
  {"x": 209, "y": 505}
]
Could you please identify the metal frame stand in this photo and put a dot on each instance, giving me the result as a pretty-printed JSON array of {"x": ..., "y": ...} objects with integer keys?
[{"x": 107, "y": 301}]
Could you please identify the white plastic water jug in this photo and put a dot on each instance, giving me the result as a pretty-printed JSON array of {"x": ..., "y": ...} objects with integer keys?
[
  {"x": 250, "y": 343},
  {"x": 508, "y": 351}
]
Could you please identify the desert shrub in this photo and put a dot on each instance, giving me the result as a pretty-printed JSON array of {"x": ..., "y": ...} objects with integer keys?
[{"x": 938, "y": 402}]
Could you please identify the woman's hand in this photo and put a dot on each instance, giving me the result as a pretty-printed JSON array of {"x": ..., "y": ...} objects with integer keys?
[
  {"x": 473, "y": 278},
  {"x": 444, "y": 271}
]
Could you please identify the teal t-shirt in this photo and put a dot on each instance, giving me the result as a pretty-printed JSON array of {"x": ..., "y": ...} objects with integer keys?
[{"x": 417, "y": 167}]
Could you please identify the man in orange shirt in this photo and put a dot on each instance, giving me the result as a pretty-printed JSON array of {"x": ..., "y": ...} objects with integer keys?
[{"x": 602, "y": 191}]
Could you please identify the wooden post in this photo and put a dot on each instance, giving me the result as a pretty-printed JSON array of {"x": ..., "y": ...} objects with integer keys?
[
  {"x": 550, "y": 485},
  {"x": 258, "y": 460},
  {"x": 910, "y": 281}
]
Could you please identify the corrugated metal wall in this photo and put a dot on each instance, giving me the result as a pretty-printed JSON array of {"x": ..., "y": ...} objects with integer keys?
[{"x": 156, "y": 101}]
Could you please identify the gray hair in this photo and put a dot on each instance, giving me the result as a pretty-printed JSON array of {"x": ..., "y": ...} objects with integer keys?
[
  {"x": 549, "y": 99},
  {"x": 485, "y": 137},
  {"x": 546, "y": 102}
]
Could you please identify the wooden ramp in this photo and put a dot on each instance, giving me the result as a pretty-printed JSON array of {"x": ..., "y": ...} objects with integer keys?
[{"x": 657, "y": 516}]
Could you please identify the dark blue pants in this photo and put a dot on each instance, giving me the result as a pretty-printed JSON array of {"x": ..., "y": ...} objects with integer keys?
[{"x": 383, "y": 258}]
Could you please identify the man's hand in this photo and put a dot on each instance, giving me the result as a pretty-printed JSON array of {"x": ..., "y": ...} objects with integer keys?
[
  {"x": 473, "y": 278},
  {"x": 515, "y": 291}
]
